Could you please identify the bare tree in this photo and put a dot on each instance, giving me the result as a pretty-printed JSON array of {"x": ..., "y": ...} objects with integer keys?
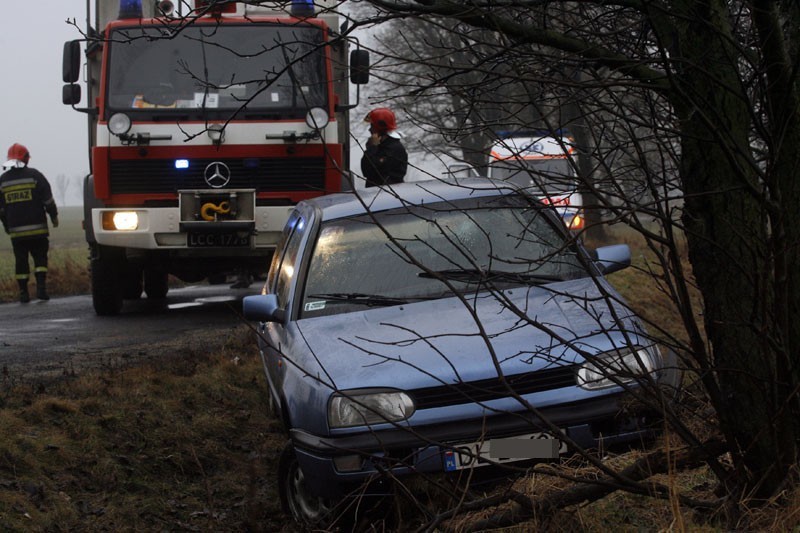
[
  {"x": 688, "y": 114},
  {"x": 699, "y": 100}
]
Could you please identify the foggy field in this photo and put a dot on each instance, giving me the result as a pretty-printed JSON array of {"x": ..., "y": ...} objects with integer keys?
[{"x": 68, "y": 234}]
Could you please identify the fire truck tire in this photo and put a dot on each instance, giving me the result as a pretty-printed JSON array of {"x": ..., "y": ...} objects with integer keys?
[
  {"x": 217, "y": 279},
  {"x": 132, "y": 283},
  {"x": 156, "y": 283},
  {"x": 106, "y": 291}
]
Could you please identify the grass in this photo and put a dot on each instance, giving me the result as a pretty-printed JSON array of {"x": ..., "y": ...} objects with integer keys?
[{"x": 181, "y": 445}]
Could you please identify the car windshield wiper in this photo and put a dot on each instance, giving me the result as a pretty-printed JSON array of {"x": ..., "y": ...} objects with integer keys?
[
  {"x": 475, "y": 275},
  {"x": 369, "y": 300}
]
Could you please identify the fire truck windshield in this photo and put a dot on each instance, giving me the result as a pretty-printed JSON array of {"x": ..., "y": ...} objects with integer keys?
[{"x": 217, "y": 70}]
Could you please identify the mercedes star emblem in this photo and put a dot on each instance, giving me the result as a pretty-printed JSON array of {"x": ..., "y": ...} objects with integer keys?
[{"x": 217, "y": 174}]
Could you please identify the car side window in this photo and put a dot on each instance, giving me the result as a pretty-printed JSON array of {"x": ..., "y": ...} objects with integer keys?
[
  {"x": 286, "y": 269},
  {"x": 280, "y": 250}
]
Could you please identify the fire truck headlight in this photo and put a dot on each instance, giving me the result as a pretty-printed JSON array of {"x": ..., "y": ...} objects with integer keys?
[
  {"x": 120, "y": 220},
  {"x": 119, "y": 124},
  {"x": 317, "y": 118}
]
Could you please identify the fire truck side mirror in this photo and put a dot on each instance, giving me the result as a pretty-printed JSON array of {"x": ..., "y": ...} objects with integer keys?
[
  {"x": 71, "y": 61},
  {"x": 359, "y": 67},
  {"x": 71, "y": 94}
]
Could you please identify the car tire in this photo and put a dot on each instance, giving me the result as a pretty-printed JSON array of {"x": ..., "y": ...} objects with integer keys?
[
  {"x": 306, "y": 508},
  {"x": 106, "y": 264}
]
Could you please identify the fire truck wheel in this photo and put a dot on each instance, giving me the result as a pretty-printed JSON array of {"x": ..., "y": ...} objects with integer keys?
[
  {"x": 106, "y": 292},
  {"x": 156, "y": 283},
  {"x": 132, "y": 284}
]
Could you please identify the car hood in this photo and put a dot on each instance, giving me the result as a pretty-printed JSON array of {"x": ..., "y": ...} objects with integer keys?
[{"x": 450, "y": 340}]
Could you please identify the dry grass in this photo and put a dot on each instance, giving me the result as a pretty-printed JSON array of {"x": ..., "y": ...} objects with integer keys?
[
  {"x": 184, "y": 444},
  {"x": 68, "y": 273}
]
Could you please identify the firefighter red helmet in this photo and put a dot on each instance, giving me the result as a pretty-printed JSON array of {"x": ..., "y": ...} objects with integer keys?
[
  {"x": 382, "y": 120},
  {"x": 18, "y": 152}
]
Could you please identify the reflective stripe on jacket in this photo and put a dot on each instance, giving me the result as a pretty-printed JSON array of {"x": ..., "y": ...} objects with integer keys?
[{"x": 25, "y": 201}]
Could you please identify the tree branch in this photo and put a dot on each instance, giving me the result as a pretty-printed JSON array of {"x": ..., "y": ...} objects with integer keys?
[
  {"x": 479, "y": 17},
  {"x": 591, "y": 490}
]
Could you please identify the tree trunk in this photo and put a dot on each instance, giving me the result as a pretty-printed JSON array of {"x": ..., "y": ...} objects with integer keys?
[{"x": 727, "y": 233}]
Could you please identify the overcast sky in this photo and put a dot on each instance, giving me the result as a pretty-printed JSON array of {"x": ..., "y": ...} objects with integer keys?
[{"x": 32, "y": 39}]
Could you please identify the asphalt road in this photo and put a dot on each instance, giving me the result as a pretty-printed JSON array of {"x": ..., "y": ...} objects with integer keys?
[{"x": 44, "y": 340}]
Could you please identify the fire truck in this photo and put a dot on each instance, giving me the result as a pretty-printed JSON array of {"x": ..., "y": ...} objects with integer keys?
[
  {"x": 205, "y": 127},
  {"x": 546, "y": 166}
]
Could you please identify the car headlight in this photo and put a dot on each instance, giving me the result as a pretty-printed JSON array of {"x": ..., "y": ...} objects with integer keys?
[
  {"x": 616, "y": 368},
  {"x": 370, "y": 406}
]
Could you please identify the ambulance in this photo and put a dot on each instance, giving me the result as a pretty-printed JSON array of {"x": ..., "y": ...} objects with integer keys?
[{"x": 546, "y": 166}]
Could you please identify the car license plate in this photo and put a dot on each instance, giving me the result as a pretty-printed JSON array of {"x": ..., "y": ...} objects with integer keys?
[
  {"x": 495, "y": 451},
  {"x": 199, "y": 240}
]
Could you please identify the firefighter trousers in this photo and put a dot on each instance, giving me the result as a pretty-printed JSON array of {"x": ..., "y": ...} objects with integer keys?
[{"x": 37, "y": 248}]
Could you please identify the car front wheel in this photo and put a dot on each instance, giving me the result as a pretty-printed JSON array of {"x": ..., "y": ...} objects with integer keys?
[{"x": 308, "y": 509}]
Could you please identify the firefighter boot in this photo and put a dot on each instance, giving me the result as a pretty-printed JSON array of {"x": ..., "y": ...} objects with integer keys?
[
  {"x": 23, "y": 291},
  {"x": 41, "y": 286}
]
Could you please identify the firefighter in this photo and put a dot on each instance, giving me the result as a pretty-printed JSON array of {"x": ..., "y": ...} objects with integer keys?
[
  {"x": 385, "y": 159},
  {"x": 25, "y": 202}
]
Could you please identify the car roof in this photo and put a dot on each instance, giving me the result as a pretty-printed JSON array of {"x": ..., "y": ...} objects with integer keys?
[{"x": 393, "y": 196}]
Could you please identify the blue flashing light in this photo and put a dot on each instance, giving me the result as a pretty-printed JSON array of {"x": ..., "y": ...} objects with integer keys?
[
  {"x": 181, "y": 164},
  {"x": 130, "y": 9},
  {"x": 303, "y": 8}
]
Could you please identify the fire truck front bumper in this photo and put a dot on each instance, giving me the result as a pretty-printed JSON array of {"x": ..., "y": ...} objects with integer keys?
[{"x": 164, "y": 228}]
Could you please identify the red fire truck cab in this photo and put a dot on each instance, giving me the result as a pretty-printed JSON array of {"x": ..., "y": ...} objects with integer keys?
[{"x": 205, "y": 128}]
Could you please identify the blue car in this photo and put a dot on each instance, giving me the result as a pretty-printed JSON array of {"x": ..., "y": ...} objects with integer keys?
[{"x": 435, "y": 327}]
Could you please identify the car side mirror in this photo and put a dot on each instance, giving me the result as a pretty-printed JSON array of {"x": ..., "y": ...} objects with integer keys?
[
  {"x": 612, "y": 258},
  {"x": 263, "y": 308}
]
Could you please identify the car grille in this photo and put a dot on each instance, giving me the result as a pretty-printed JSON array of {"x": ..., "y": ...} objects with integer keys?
[
  {"x": 264, "y": 175},
  {"x": 492, "y": 389}
]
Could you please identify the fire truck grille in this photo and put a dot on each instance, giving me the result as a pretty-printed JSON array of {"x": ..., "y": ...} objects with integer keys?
[{"x": 264, "y": 175}]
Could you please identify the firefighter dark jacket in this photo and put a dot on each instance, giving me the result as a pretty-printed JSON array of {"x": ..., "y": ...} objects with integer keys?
[
  {"x": 385, "y": 163},
  {"x": 25, "y": 201}
]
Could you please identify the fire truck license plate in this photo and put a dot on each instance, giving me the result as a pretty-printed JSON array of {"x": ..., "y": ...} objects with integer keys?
[{"x": 197, "y": 240}]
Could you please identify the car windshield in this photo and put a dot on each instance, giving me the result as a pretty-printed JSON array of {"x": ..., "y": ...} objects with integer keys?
[
  {"x": 207, "y": 69},
  {"x": 548, "y": 175},
  {"x": 434, "y": 250}
]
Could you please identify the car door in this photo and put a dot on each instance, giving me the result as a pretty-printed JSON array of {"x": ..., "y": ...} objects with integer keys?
[{"x": 281, "y": 281}]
